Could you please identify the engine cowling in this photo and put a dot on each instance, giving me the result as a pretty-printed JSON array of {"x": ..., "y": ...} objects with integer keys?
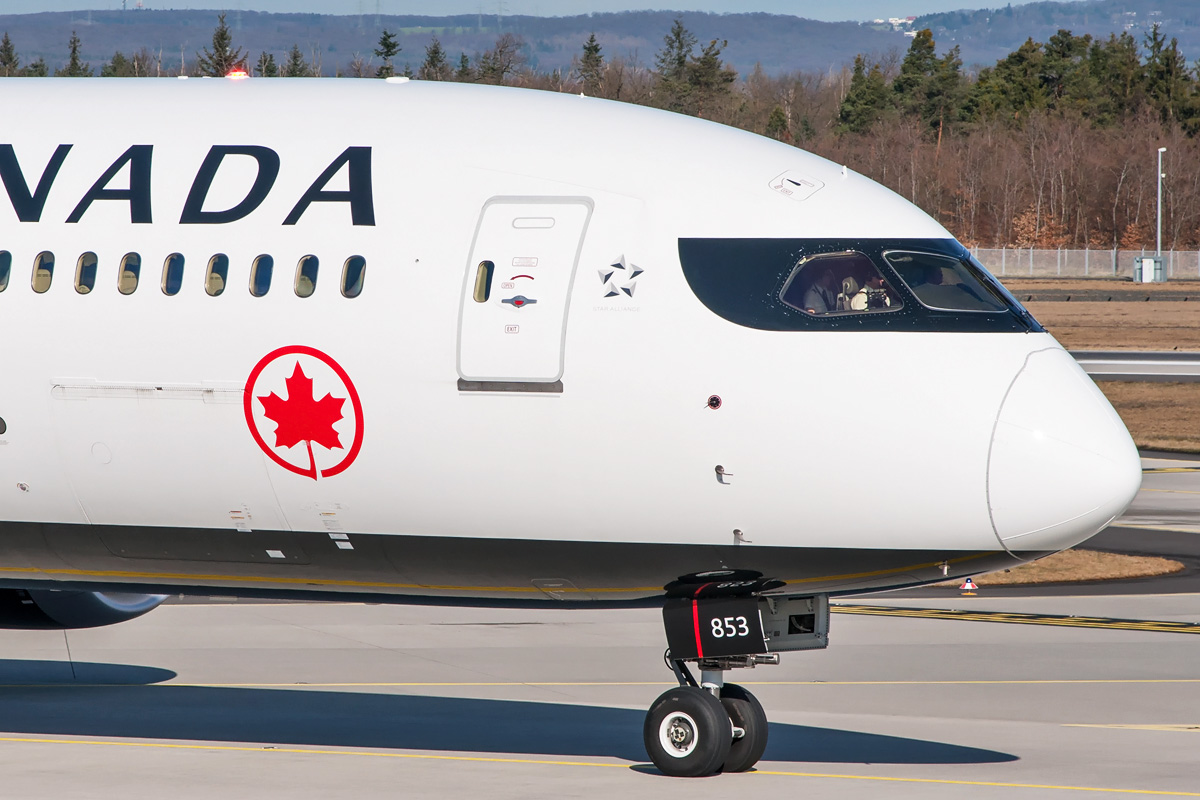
[{"x": 50, "y": 609}]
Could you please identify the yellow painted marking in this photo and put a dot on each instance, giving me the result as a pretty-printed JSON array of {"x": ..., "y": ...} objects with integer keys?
[
  {"x": 244, "y": 580},
  {"x": 1160, "y": 470},
  {"x": 561, "y": 684},
  {"x": 1105, "y": 623},
  {"x": 1179, "y": 728},
  {"x": 998, "y": 784},
  {"x": 1171, "y": 491},
  {"x": 553, "y": 763},
  {"x": 1166, "y": 528},
  {"x": 312, "y": 751}
]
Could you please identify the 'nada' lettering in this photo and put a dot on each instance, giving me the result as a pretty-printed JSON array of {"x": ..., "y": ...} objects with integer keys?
[{"x": 28, "y": 204}]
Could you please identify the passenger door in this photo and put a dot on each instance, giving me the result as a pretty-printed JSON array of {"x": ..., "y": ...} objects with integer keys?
[{"x": 513, "y": 314}]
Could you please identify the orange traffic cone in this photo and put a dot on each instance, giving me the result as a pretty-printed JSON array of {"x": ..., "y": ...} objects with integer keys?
[{"x": 968, "y": 586}]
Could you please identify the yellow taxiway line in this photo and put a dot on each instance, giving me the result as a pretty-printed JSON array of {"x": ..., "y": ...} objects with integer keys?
[
  {"x": 499, "y": 684},
  {"x": 601, "y": 764},
  {"x": 1172, "y": 728},
  {"x": 1106, "y": 623},
  {"x": 582, "y": 684}
]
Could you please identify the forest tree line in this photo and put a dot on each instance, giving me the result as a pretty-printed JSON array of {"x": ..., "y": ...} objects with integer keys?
[{"x": 1053, "y": 146}]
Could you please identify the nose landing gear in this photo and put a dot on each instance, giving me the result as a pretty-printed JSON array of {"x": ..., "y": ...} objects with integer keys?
[{"x": 700, "y": 728}]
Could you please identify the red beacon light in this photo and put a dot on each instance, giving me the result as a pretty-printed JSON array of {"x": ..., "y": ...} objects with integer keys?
[{"x": 238, "y": 74}]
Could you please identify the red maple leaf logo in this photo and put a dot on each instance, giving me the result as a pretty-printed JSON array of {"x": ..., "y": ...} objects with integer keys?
[{"x": 300, "y": 418}]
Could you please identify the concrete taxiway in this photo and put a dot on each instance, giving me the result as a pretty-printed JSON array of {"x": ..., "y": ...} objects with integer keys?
[{"x": 275, "y": 700}]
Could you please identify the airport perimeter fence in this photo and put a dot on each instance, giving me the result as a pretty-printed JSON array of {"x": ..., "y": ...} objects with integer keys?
[{"x": 1031, "y": 263}]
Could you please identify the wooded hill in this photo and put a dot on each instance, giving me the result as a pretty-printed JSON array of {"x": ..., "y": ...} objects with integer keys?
[
  {"x": 987, "y": 35},
  {"x": 1055, "y": 145},
  {"x": 779, "y": 43}
]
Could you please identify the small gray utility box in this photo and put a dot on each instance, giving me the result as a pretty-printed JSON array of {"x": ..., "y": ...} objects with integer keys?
[{"x": 1148, "y": 269}]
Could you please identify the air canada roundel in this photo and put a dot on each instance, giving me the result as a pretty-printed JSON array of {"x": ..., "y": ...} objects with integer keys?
[{"x": 304, "y": 412}]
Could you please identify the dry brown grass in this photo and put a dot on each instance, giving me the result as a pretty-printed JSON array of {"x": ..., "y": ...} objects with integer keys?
[
  {"x": 1116, "y": 325},
  {"x": 1157, "y": 325},
  {"x": 1074, "y": 566},
  {"x": 1160, "y": 416}
]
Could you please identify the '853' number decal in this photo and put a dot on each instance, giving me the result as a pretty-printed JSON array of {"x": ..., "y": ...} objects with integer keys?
[
  {"x": 723, "y": 627},
  {"x": 713, "y": 627}
]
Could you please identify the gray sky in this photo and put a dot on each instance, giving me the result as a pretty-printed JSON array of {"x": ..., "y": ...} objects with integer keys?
[{"x": 812, "y": 9}]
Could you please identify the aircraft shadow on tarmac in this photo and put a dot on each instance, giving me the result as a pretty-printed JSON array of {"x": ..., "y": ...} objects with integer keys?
[{"x": 122, "y": 701}]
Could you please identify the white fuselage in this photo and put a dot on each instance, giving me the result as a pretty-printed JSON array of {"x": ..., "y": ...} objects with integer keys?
[{"x": 126, "y": 415}]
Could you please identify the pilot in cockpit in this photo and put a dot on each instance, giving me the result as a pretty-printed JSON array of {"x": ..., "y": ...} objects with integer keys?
[
  {"x": 820, "y": 297},
  {"x": 873, "y": 295}
]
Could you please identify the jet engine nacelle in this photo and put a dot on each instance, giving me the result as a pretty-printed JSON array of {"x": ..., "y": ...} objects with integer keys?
[{"x": 51, "y": 609}]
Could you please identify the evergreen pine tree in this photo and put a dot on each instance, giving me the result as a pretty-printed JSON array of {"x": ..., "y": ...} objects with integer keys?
[
  {"x": 1168, "y": 79},
  {"x": 464, "y": 73},
  {"x": 435, "y": 67},
  {"x": 916, "y": 70},
  {"x": 10, "y": 63},
  {"x": 1065, "y": 74},
  {"x": 37, "y": 69},
  {"x": 807, "y": 131},
  {"x": 709, "y": 79},
  {"x": 777, "y": 125},
  {"x": 671, "y": 64},
  {"x": 1013, "y": 87},
  {"x": 944, "y": 92},
  {"x": 866, "y": 99},
  {"x": 1115, "y": 67},
  {"x": 118, "y": 67},
  {"x": 296, "y": 66},
  {"x": 266, "y": 66},
  {"x": 224, "y": 57},
  {"x": 388, "y": 49},
  {"x": 591, "y": 66},
  {"x": 75, "y": 67}
]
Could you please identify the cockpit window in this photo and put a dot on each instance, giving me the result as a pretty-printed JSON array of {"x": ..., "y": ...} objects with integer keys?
[
  {"x": 944, "y": 283},
  {"x": 839, "y": 283},
  {"x": 773, "y": 285}
]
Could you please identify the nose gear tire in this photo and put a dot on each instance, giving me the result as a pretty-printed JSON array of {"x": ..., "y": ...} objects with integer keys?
[
  {"x": 687, "y": 733},
  {"x": 746, "y": 713}
]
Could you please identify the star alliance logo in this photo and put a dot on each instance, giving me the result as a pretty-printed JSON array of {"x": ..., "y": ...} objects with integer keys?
[{"x": 620, "y": 278}]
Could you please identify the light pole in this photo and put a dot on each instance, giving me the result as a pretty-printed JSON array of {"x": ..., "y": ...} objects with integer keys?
[{"x": 1158, "y": 242}]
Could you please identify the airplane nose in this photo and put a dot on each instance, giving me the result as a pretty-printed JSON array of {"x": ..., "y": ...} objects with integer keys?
[{"x": 1062, "y": 465}]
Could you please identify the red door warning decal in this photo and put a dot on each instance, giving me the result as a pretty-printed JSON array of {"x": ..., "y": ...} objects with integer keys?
[{"x": 304, "y": 412}]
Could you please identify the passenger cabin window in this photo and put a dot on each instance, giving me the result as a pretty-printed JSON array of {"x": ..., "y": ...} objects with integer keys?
[
  {"x": 839, "y": 283},
  {"x": 218, "y": 272},
  {"x": 172, "y": 277},
  {"x": 353, "y": 274},
  {"x": 483, "y": 281},
  {"x": 944, "y": 283},
  {"x": 131, "y": 269},
  {"x": 5, "y": 268},
  {"x": 260, "y": 275},
  {"x": 85, "y": 273},
  {"x": 43, "y": 271},
  {"x": 306, "y": 276}
]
